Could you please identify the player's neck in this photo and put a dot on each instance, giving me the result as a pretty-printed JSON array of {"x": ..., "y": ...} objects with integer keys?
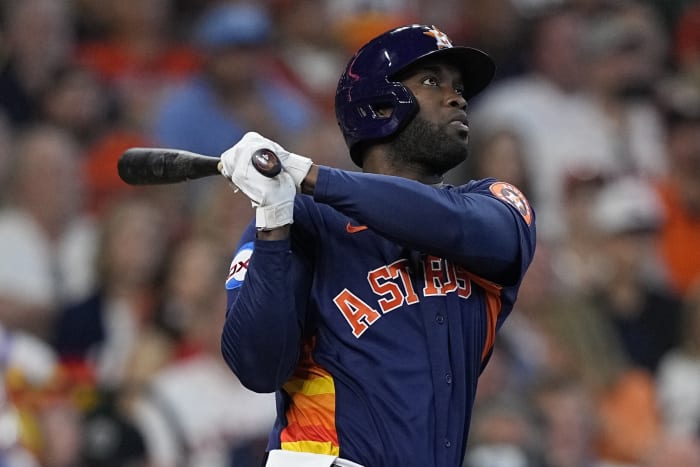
[{"x": 376, "y": 162}]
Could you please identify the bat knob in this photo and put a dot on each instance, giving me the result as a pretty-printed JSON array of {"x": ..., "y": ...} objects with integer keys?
[{"x": 266, "y": 162}]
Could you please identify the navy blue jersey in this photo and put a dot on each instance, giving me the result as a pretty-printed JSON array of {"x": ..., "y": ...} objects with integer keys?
[{"x": 373, "y": 321}]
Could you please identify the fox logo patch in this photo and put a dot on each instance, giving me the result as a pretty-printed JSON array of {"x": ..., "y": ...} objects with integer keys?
[{"x": 239, "y": 266}]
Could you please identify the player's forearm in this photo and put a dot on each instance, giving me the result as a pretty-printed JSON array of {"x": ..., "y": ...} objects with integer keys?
[
  {"x": 261, "y": 334},
  {"x": 279, "y": 233}
]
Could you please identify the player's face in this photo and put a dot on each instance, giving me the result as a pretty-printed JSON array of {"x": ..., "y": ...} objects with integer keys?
[{"x": 437, "y": 136}]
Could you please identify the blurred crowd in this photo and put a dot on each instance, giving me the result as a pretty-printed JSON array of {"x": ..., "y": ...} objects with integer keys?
[{"x": 112, "y": 297}]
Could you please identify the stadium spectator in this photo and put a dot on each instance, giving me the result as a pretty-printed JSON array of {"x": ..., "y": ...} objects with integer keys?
[
  {"x": 678, "y": 377},
  {"x": 39, "y": 39},
  {"x": 567, "y": 414},
  {"x": 630, "y": 289},
  {"x": 680, "y": 190},
  {"x": 308, "y": 56},
  {"x": 623, "y": 52},
  {"x": 139, "y": 54},
  {"x": 543, "y": 105},
  {"x": 236, "y": 90},
  {"x": 623, "y": 397},
  {"x": 41, "y": 422},
  {"x": 575, "y": 257},
  {"x": 47, "y": 242},
  {"x": 604, "y": 122},
  {"x": 504, "y": 432},
  {"x": 77, "y": 102},
  {"x": 102, "y": 330},
  {"x": 192, "y": 411},
  {"x": 495, "y": 26}
]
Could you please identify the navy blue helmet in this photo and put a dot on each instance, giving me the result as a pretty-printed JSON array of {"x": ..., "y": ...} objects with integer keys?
[{"x": 368, "y": 83}]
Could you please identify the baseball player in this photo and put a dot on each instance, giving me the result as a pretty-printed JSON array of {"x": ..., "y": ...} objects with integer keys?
[{"x": 369, "y": 301}]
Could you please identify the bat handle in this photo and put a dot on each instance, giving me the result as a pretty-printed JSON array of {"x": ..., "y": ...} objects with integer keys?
[{"x": 265, "y": 161}]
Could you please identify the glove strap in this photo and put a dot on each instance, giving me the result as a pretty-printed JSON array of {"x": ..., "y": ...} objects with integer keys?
[{"x": 271, "y": 217}]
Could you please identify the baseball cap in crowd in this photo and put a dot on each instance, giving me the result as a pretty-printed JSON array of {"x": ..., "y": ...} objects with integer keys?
[
  {"x": 627, "y": 205},
  {"x": 233, "y": 24}
]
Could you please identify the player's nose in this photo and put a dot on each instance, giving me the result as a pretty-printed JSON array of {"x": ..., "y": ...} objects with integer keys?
[{"x": 455, "y": 99}]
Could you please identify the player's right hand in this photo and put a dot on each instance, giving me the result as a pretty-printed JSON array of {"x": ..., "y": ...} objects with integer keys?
[
  {"x": 296, "y": 165},
  {"x": 273, "y": 197}
]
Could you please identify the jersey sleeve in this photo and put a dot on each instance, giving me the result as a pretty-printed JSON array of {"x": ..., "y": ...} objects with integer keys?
[
  {"x": 486, "y": 227},
  {"x": 266, "y": 297}
]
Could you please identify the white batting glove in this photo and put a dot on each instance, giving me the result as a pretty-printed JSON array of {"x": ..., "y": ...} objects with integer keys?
[
  {"x": 273, "y": 197},
  {"x": 297, "y": 166},
  {"x": 277, "y": 206},
  {"x": 238, "y": 168}
]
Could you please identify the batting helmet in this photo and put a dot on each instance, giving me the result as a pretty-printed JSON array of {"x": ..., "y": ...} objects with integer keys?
[{"x": 368, "y": 84}]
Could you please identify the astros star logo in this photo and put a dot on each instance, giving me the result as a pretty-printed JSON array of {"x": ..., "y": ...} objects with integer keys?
[
  {"x": 511, "y": 195},
  {"x": 441, "y": 38}
]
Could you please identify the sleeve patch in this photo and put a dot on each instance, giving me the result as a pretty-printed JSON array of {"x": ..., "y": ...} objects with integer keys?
[
  {"x": 239, "y": 266},
  {"x": 511, "y": 195}
]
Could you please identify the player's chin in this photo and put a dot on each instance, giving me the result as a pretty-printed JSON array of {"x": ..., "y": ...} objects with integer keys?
[{"x": 458, "y": 139}]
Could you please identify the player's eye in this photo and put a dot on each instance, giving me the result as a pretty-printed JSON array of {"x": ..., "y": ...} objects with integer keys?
[
  {"x": 459, "y": 90},
  {"x": 430, "y": 81}
]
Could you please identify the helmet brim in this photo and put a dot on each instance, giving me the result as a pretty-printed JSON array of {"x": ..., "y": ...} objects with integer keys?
[{"x": 476, "y": 67}]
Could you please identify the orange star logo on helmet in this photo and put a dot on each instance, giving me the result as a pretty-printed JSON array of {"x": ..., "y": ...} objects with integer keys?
[{"x": 441, "y": 38}]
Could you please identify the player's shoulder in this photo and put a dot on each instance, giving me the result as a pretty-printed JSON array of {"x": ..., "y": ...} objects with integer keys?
[
  {"x": 480, "y": 185},
  {"x": 475, "y": 185}
]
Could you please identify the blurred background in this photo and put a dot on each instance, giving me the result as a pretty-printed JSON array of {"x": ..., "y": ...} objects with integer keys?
[{"x": 112, "y": 297}]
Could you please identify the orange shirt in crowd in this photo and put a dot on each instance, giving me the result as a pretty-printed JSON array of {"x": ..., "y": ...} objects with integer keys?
[
  {"x": 629, "y": 421},
  {"x": 679, "y": 239},
  {"x": 111, "y": 60},
  {"x": 100, "y": 166}
]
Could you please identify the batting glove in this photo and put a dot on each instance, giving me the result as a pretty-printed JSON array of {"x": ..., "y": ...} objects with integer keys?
[
  {"x": 277, "y": 206},
  {"x": 272, "y": 197},
  {"x": 297, "y": 166}
]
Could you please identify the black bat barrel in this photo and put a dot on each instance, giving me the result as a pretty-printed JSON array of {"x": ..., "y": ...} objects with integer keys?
[{"x": 155, "y": 166}]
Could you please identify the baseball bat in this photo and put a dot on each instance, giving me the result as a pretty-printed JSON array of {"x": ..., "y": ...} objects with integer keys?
[{"x": 157, "y": 166}]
